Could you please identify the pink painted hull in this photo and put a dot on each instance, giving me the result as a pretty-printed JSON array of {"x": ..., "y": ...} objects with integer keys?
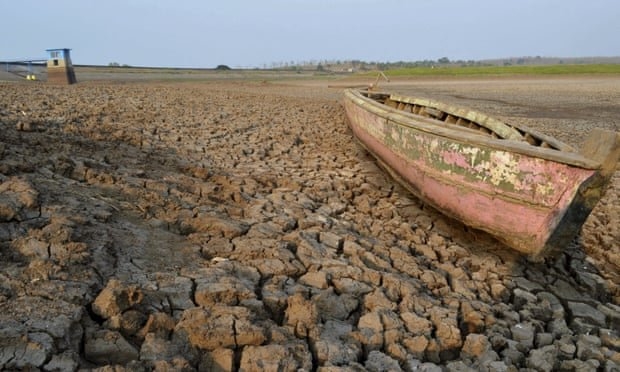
[{"x": 519, "y": 198}]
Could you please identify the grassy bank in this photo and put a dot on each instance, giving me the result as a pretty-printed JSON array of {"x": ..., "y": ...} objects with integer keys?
[{"x": 505, "y": 70}]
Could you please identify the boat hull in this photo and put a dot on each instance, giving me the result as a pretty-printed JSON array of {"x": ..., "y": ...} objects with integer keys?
[{"x": 531, "y": 204}]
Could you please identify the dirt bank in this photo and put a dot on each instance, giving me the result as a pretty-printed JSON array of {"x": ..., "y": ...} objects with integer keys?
[{"x": 238, "y": 226}]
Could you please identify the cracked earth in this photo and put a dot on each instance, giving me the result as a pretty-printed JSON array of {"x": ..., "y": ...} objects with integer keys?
[{"x": 223, "y": 226}]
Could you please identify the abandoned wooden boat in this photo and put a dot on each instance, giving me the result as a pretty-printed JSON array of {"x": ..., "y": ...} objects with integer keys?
[{"x": 532, "y": 192}]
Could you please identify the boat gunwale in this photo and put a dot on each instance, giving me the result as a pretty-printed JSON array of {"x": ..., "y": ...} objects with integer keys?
[
  {"x": 484, "y": 120},
  {"x": 427, "y": 125}
]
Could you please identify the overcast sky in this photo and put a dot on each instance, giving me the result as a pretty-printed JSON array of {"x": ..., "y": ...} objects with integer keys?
[{"x": 257, "y": 33}]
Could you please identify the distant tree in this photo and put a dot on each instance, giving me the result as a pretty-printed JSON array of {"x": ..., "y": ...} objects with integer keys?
[
  {"x": 443, "y": 60},
  {"x": 114, "y": 64},
  {"x": 223, "y": 68},
  {"x": 320, "y": 67}
]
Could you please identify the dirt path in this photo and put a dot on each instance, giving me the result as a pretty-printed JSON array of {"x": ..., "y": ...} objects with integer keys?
[{"x": 238, "y": 226}]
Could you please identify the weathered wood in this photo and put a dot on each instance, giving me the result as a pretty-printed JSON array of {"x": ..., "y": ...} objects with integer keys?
[
  {"x": 429, "y": 125},
  {"x": 603, "y": 146},
  {"x": 534, "y": 198},
  {"x": 451, "y": 119},
  {"x": 437, "y": 114}
]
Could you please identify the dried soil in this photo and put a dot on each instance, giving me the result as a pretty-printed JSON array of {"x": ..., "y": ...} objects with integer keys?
[{"x": 238, "y": 226}]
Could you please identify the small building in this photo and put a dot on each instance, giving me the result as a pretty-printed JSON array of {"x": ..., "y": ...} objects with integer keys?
[{"x": 59, "y": 67}]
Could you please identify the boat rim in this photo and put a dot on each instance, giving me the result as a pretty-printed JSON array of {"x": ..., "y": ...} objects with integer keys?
[{"x": 426, "y": 125}]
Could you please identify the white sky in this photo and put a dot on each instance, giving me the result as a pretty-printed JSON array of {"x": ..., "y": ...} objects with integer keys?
[{"x": 255, "y": 33}]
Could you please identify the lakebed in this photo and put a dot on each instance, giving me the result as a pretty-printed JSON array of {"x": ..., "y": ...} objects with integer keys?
[{"x": 235, "y": 224}]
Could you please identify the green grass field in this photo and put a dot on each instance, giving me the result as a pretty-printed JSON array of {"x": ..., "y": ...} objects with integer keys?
[{"x": 505, "y": 70}]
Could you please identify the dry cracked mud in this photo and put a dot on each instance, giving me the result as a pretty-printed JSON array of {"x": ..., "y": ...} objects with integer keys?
[{"x": 222, "y": 226}]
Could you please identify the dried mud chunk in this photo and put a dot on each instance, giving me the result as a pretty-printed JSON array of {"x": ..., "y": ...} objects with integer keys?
[
  {"x": 447, "y": 332},
  {"x": 416, "y": 346},
  {"x": 217, "y": 226},
  {"x": 131, "y": 322},
  {"x": 18, "y": 351},
  {"x": 31, "y": 247},
  {"x": 543, "y": 359},
  {"x": 291, "y": 357},
  {"x": 435, "y": 281},
  {"x": 301, "y": 314},
  {"x": 73, "y": 292},
  {"x": 475, "y": 345},
  {"x": 610, "y": 338},
  {"x": 336, "y": 345},
  {"x": 371, "y": 331},
  {"x": 57, "y": 318},
  {"x": 178, "y": 363},
  {"x": 218, "y": 360},
  {"x": 351, "y": 286},
  {"x": 159, "y": 324},
  {"x": 311, "y": 252},
  {"x": 587, "y": 312},
  {"x": 116, "y": 298},
  {"x": 473, "y": 321},
  {"x": 404, "y": 262},
  {"x": 524, "y": 334},
  {"x": 154, "y": 348},
  {"x": 331, "y": 240},
  {"x": 378, "y": 300},
  {"x": 333, "y": 306},
  {"x": 222, "y": 289},
  {"x": 589, "y": 347},
  {"x": 202, "y": 330},
  {"x": 270, "y": 257},
  {"x": 109, "y": 347},
  {"x": 178, "y": 291},
  {"x": 18, "y": 200},
  {"x": 219, "y": 327},
  {"x": 276, "y": 292},
  {"x": 417, "y": 325},
  {"x": 316, "y": 279},
  {"x": 378, "y": 361},
  {"x": 71, "y": 252},
  {"x": 67, "y": 361}
]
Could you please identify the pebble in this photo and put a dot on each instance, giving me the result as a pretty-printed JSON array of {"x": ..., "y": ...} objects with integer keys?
[
  {"x": 587, "y": 312},
  {"x": 524, "y": 334}
]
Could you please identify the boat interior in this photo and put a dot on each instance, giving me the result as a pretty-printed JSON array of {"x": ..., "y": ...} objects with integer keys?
[{"x": 464, "y": 119}]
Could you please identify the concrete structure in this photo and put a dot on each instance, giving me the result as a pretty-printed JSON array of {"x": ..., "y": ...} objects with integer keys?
[{"x": 59, "y": 67}]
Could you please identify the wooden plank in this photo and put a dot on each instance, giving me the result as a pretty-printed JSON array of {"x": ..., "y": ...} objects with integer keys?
[
  {"x": 437, "y": 114},
  {"x": 451, "y": 119},
  {"x": 531, "y": 140},
  {"x": 504, "y": 130},
  {"x": 603, "y": 146}
]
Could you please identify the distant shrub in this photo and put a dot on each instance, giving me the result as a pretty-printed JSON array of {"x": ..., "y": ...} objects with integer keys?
[{"x": 223, "y": 68}]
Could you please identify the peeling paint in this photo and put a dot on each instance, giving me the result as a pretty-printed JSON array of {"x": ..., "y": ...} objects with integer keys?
[
  {"x": 485, "y": 169},
  {"x": 517, "y": 197}
]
